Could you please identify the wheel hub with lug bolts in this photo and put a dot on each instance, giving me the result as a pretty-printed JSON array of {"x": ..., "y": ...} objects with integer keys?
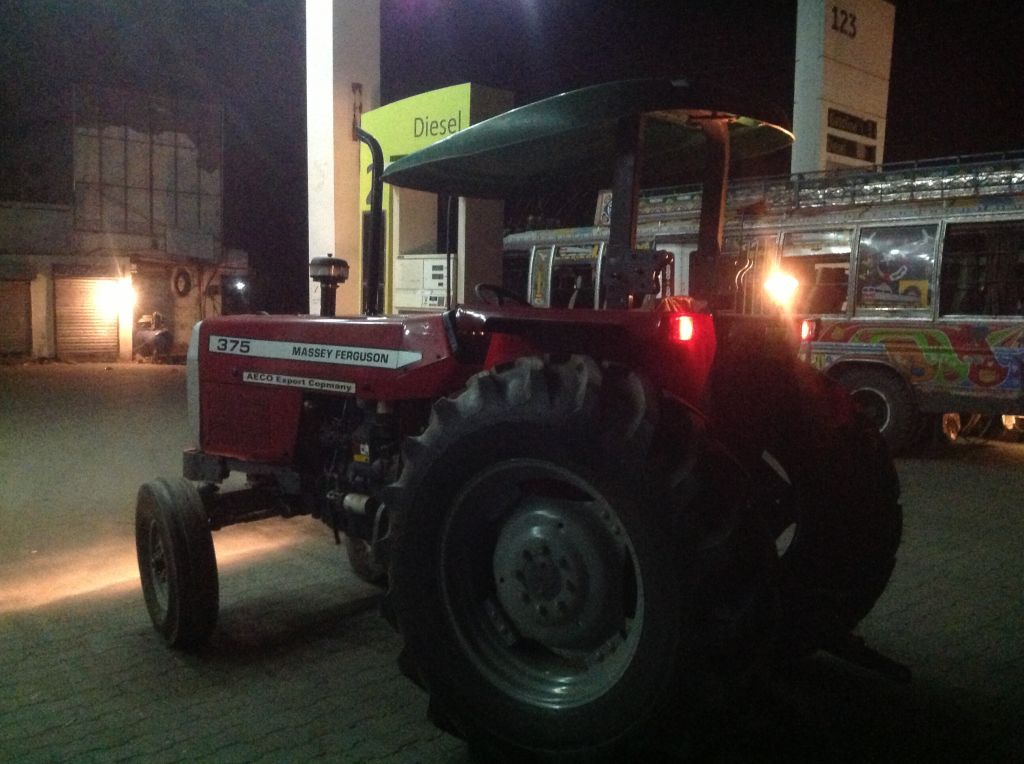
[{"x": 557, "y": 567}]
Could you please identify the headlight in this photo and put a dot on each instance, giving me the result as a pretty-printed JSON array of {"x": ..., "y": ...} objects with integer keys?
[{"x": 781, "y": 288}]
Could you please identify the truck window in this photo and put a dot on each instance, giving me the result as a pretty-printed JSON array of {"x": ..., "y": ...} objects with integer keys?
[
  {"x": 820, "y": 262},
  {"x": 540, "y": 272},
  {"x": 678, "y": 281},
  {"x": 574, "y": 276},
  {"x": 895, "y": 267},
  {"x": 515, "y": 271},
  {"x": 982, "y": 270}
]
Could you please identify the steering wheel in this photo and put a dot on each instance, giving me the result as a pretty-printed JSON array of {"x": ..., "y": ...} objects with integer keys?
[{"x": 500, "y": 294}]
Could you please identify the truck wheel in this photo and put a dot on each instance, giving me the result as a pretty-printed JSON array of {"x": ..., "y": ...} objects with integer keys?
[
  {"x": 360, "y": 559},
  {"x": 177, "y": 563},
  {"x": 543, "y": 571},
  {"x": 835, "y": 513},
  {"x": 883, "y": 398}
]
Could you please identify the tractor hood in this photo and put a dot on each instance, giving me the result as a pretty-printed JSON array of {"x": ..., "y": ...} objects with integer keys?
[{"x": 572, "y": 135}]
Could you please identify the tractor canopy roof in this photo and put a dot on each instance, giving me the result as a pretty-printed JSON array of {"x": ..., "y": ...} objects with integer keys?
[{"x": 537, "y": 147}]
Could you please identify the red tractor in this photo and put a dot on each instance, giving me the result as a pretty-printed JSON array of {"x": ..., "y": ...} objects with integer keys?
[{"x": 583, "y": 519}]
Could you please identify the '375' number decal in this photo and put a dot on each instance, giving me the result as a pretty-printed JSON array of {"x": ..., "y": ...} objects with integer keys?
[{"x": 231, "y": 345}]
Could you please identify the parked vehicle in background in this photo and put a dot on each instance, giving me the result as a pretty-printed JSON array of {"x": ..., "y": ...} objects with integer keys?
[{"x": 913, "y": 276}]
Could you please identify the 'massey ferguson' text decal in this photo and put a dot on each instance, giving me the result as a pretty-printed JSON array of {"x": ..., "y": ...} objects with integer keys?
[
  {"x": 381, "y": 358},
  {"x": 282, "y": 380}
]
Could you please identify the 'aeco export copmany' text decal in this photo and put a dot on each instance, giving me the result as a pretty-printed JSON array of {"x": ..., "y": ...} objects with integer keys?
[{"x": 307, "y": 383}]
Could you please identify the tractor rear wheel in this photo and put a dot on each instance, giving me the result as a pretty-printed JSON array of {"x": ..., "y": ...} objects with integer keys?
[
  {"x": 552, "y": 565},
  {"x": 177, "y": 563},
  {"x": 827, "y": 487},
  {"x": 832, "y": 504}
]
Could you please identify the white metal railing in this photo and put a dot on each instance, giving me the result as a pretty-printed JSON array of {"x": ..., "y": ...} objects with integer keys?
[{"x": 925, "y": 181}]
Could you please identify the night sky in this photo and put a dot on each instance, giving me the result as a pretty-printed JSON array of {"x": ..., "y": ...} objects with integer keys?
[
  {"x": 956, "y": 88},
  {"x": 956, "y": 83}
]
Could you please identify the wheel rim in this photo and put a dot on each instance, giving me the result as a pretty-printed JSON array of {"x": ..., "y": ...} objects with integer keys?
[
  {"x": 782, "y": 507},
  {"x": 541, "y": 583},
  {"x": 874, "y": 406},
  {"x": 158, "y": 573}
]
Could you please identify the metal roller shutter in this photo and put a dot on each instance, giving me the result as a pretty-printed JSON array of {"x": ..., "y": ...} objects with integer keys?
[
  {"x": 15, "y": 318},
  {"x": 86, "y": 317}
]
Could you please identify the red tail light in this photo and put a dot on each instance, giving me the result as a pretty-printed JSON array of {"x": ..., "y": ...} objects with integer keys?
[{"x": 682, "y": 328}]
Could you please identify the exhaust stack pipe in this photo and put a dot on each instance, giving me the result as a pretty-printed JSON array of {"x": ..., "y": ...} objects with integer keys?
[{"x": 373, "y": 256}]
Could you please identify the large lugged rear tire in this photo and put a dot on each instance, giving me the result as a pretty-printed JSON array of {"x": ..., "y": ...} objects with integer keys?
[
  {"x": 549, "y": 531},
  {"x": 829, "y": 490},
  {"x": 177, "y": 563},
  {"x": 835, "y": 512}
]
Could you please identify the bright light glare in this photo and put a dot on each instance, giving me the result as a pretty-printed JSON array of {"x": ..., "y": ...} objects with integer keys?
[
  {"x": 110, "y": 566},
  {"x": 113, "y": 298},
  {"x": 781, "y": 288},
  {"x": 240, "y": 286}
]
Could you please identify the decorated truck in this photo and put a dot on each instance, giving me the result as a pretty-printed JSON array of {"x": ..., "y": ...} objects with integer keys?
[
  {"x": 911, "y": 277},
  {"x": 584, "y": 520}
]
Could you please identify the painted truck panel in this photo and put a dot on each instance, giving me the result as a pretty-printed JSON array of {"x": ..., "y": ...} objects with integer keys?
[{"x": 940, "y": 361}]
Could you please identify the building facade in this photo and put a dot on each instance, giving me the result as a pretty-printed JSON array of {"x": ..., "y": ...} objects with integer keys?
[{"x": 111, "y": 211}]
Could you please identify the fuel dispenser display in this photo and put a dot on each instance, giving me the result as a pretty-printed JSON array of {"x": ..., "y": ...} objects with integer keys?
[{"x": 422, "y": 282}]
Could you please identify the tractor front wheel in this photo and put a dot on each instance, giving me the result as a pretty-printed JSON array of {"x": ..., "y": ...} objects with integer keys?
[
  {"x": 177, "y": 563},
  {"x": 363, "y": 562}
]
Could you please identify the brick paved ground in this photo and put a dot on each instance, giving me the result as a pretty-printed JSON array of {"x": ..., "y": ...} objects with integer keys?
[
  {"x": 953, "y": 612},
  {"x": 302, "y": 666}
]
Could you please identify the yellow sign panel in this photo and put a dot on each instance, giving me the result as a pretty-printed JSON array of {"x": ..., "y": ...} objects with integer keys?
[{"x": 416, "y": 122}]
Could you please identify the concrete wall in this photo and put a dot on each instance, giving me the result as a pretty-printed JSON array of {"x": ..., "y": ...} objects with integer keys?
[
  {"x": 481, "y": 222},
  {"x": 841, "y": 83},
  {"x": 31, "y": 229},
  {"x": 342, "y": 81},
  {"x": 146, "y": 174},
  {"x": 44, "y": 343},
  {"x": 32, "y": 237}
]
